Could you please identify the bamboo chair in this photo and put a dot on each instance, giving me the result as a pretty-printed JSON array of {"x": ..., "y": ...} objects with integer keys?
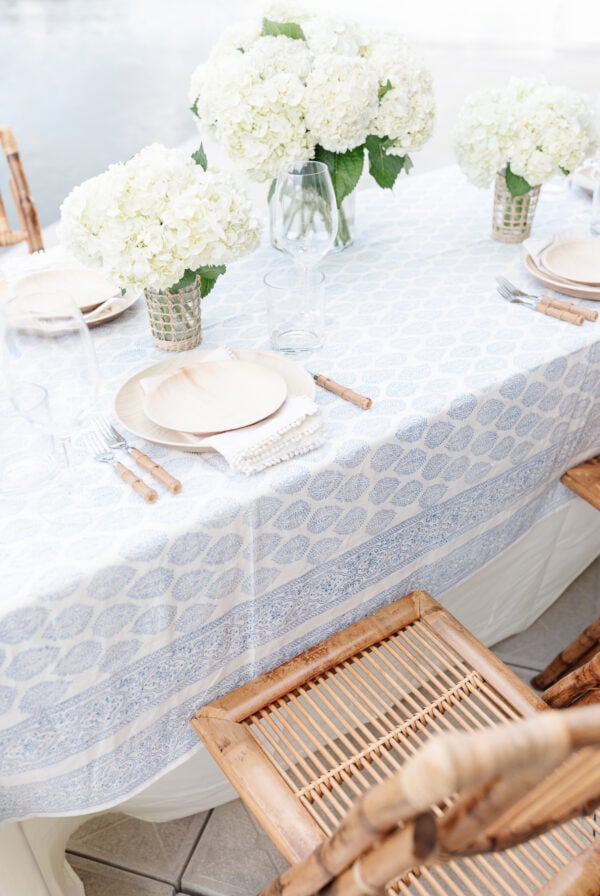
[
  {"x": 584, "y": 480},
  {"x": 30, "y": 226},
  {"x": 574, "y": 674},
  {"x": 513, "y": 782},
  {"x": 304, "y": 741}
]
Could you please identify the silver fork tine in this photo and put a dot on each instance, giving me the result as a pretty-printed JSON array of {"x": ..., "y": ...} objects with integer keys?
[
  {"x": 502, "y": 281},
  {"x": 115, "y": 440},
  {"x": 102, "y": 453}
]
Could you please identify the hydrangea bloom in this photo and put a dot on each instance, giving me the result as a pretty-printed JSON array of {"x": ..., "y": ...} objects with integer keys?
[
  {"x": 539, "y": 129},
  {"x": 279, "y": 88},
  {"x": 148, "y": 220}
]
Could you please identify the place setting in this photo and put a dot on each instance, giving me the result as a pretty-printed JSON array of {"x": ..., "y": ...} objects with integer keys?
[
  {"x": 55, "y": 270},
  {"x": 566, "y": 263}
]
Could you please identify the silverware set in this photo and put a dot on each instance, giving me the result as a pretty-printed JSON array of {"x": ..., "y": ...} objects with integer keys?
[
  {"x": 567, "y": 311},
  {"x": 103, "y": 443}
]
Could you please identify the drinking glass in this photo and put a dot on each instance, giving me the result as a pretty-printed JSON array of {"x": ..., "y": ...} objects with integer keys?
[
  {"x": 306, "y": 214},
  {"x": 47, "y": 341}
]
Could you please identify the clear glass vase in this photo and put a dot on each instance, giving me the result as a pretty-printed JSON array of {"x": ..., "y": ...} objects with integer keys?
[
  {"x": 175, "y": 317},
  {"x": 345, "y": 232}
]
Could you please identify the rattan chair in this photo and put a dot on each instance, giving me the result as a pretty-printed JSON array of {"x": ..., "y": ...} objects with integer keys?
[
  {"x": 302, "y": 743},
  {"x": 574, "y": 675},
  {"x": 584, "y": 480},
  {"x": 30, "y": 226}
]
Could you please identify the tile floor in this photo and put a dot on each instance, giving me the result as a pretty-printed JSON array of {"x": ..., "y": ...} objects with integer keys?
[{"x": 223, "y": 852}]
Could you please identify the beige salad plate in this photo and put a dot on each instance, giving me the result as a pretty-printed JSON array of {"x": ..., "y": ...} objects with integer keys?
[
  {"x": 88, "y": 288},
  {"x": 129, "y": 400},
  {"x": 565, "y": 287},
  {"x": 213, "y": 396},
  {"x": 574, "y": 260}
]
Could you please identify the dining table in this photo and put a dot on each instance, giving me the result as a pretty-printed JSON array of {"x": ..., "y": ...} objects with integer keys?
[{"x": 120, "y": 618}]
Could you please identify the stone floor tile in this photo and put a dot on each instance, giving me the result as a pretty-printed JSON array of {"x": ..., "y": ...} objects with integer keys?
[
  {"x": 104, "y": 880},
  {"x": 234, "y": 857},
  {"x": 160, "y": 851},
  {"x": 558, "y": 626}
]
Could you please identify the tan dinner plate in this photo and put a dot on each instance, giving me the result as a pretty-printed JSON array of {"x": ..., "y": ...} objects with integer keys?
[
  {"x": 120, "y": 304},
  {"x": 88, "y": 288},
  {"x": 130, "y": 397},
  {"x": 574, "y": 260},
  {"x": 213, "y": 396},
  {"x": 563, "y": 286}
]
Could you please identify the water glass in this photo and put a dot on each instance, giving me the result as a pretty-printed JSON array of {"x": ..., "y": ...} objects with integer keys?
[
  {"x": 28, "y": 459},
  {"x": 295, "y": 310}
]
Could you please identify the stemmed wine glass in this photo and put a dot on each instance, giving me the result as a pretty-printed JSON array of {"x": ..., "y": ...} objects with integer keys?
[
  {"x": 46, "y": 341},
  {"x": 306, "y": 214}
]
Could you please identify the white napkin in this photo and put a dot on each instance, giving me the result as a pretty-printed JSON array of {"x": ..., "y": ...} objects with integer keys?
[{"x": 292, "y": 430}]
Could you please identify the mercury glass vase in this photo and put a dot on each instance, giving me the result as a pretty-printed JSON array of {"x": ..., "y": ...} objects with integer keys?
[
  {"x": 513, "y": 215},
  {"x": 175, "y": 317},
  {"x": 345, "y": 234}
]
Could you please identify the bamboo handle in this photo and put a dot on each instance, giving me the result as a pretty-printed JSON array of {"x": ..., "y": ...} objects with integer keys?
[
  {"x": 569, "y": 306},
  {"x": 138, "y": 485},
  {"x": 344, "y": 392},
  {"x": 155, "y": 470},
  {"x": 567, "y": 316}
]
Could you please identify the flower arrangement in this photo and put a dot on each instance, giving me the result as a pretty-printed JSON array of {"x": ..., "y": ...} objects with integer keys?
[
  {"x": 160, "y": 220},
  {"x": 292, "y": 85},
  {"x": 529, "y": 131}
]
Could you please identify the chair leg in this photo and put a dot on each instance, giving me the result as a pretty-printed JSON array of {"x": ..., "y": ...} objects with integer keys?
[{"x": 570, "y": 658}]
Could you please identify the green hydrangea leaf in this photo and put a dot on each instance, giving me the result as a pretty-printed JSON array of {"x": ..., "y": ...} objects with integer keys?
[
  {"x": 208, "y": 277},
  {"x": 186, "y": 281},
  {"x": 288, "y": 29},
  {"x": 516, "y": 184},
  {"x": 194, "y": 108},
  {"x": 271, "y": 192},
  {"x": 345, "y": 169},
  {"x": 385, "y": 168},
  {"x": 199, "y": 157},
  {"x": 385, "y": 88}
]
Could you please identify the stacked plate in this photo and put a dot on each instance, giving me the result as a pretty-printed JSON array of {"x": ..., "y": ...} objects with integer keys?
[
  {"x": 179, "y": 401},
  {"x": 89, "y": 289},
  {"x": 571, "y": 267},
  {"x": 586, "y": 177}
]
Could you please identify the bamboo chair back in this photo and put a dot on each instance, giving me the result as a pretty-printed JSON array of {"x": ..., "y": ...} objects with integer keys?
[
  {"x": 513, "y": 782},
  {"x": 29, "y": 230},
  {"x": 304, "y": 741}
]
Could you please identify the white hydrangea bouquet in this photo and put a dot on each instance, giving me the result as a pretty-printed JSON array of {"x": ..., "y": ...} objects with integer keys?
[
  {"x": 291, "y": 85},
  {"x": 523, "y": 135},
  {"x": 163, "y": 222}
]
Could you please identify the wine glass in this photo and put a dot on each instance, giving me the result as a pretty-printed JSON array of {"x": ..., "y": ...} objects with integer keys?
[
  {"x": 306, "y": 214},
  {"x": 46, "y": 341}
]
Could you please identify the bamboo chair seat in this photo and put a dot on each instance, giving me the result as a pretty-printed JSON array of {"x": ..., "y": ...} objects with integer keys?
[
  {"x": 29, "y": 230},
  {"x": 304, "y": 741},
  {"x": 584, "y": 480}
]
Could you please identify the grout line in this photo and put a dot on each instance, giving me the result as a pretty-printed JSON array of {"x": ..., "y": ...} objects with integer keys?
[
  {"x": 192, "y": 851},
  {"x": 108, "y": 864}
]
